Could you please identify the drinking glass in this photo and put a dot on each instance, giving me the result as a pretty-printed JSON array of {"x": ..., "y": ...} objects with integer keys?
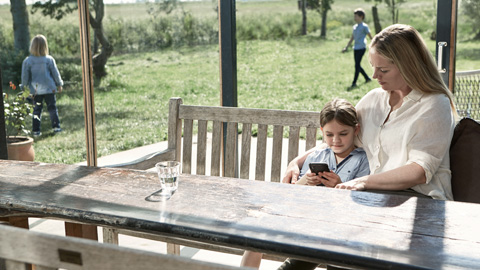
[{"x": 168, "y": 172}]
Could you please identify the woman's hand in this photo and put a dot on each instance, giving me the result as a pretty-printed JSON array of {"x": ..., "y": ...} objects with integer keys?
[
  {"x": 355, "y": 184},
  {"x": 291, "y": 174},
  {"x": 330, "y": 179}
]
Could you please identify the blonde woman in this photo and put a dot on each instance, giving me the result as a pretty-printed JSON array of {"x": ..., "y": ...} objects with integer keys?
[
  {"x": 406, "y": 125},
  {"x": 40, "y": 74}
]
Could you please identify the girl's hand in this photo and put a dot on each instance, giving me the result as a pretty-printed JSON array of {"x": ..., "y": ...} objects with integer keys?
[
  {"x": 344, "y": 49},
  {"x": 313, "y": 179},
  {"x": 330, "y": 179},
  {"x": 60, "y": 89},
  {"x": 355, "y": 184}
]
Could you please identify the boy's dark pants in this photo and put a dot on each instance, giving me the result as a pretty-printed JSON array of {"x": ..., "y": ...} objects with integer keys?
[
  {"x": 51, "y": 107},
  {"x": 358, "y": 55}
]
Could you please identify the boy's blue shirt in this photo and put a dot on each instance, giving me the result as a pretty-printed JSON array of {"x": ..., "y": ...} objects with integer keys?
[
  {"x": 353, "y": 166},
  {"x": 360, "y": 31}
]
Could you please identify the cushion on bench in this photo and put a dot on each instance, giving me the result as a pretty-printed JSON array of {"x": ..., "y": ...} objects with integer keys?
[{"x": 465, "y": 161}]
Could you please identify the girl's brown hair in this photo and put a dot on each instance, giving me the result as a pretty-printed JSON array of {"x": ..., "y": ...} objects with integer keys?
[
  {"x": 39, "y": 46},
  {"x": 405, "y": 48},
  {"x": 340, "y": 110}
]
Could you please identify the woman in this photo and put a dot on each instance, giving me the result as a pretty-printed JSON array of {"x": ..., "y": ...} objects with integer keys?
[{"x": 406, "y": 125}]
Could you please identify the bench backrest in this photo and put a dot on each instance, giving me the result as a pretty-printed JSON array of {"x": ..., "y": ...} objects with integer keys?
[
  {"x": 20, "y": 246},
  {"x": 234, "y": 120}
]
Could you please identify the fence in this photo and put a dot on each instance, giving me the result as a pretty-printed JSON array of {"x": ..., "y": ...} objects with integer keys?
[{"x": 467, "y": 93}]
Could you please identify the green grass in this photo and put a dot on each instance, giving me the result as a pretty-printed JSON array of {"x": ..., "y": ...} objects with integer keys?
[{"x": 299, "y": 73}]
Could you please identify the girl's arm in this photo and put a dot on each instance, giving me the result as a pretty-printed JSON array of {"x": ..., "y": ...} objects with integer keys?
[
  {"x": 370, "y": 35},
  {"x": 400, "y": 178},
  {"x": 293, "y": 168}
]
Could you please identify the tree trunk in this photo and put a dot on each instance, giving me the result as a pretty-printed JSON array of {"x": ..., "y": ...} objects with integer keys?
[
  {"x": 100, "y": 59},
  {"x": 21, "y": 31},
  {"x": 304, "y": 17},
  {"x": 393, "y": 8},
  {"x": 323, "y": 32},
  {"x": 376, "y": 20}
]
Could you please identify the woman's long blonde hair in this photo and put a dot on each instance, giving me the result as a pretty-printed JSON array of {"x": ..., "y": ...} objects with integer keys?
[
  {"x": 405, "y": 48},
  {"x": 39, "y": 46}
]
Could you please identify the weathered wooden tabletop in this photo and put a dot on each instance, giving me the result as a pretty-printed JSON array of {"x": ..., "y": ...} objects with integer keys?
[{"x": 369, "y": 230}]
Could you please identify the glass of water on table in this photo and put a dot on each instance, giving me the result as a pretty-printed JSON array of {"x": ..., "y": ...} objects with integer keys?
[{"x": 168, "y": 173}]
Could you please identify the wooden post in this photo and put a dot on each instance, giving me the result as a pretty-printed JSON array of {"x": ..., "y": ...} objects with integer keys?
[
  {"x": 73, "y": 229},
  {"x": 228, "y": 59},
  {"x": 446, "y": 40},
  {"x": 3, "y": 133}
]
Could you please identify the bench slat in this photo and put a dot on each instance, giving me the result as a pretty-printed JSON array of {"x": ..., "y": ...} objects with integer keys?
[
  {"x": 261, "y": 152},
  {"x": 201, "y": 147},
  {"x": 246, "y": 146},
  {"x": 216, "y": 147},
  {"x": 231, "y": 149},
  {"x": 293, "y": 137},
  {"x": 311, "y": 138},
  {"x": 174, "y": 126},
  {"x": 253, "y": 116},
  {"x": 277, "y": 153},
  {"x": 187, "y": 146}
]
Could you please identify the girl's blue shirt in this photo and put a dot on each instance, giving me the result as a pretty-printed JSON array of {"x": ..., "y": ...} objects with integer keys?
[
  {"x": 40, "y": 74},
  {"x": 353, "y": 166}
]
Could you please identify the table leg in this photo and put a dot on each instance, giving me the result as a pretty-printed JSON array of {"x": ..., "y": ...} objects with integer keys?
[{"x": 81, "y": 231}]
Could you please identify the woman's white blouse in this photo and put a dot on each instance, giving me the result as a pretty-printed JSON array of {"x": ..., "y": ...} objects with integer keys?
[{"x": 420, "y": 132}]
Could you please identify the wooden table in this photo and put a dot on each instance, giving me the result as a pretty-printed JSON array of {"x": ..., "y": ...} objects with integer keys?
[{"x": 369, "y": 230}]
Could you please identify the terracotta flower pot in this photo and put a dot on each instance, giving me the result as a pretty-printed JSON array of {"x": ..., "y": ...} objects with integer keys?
[{"x": 20, "y": 148}]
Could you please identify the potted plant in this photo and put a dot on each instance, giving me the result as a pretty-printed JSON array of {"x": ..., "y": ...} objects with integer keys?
[{"x": 17, "y": 109}]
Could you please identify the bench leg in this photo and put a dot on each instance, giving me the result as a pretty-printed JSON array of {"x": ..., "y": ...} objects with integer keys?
[
  {"x": 110, "y": 236},
  {"x": 173, "y": 249},
  {"x": 19, "y": 222},
  {"x": 81, "y": 231}
]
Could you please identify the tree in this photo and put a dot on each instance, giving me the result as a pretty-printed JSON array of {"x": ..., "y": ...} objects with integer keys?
[
  {"x": 322, "y": 7},
  {"x": 59, "y": 8},
  {"x": 393, "y": 6},
  {"x": 471, "y": 8},
  {"x": 21, "y": 29}
]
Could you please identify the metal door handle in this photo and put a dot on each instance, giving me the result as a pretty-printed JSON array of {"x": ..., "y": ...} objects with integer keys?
[{"x": 440, "y": 56}]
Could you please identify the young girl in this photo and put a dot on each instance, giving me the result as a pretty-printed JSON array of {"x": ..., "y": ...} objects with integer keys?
[
  {"x": 40, "y": 74},
  {"x": 339, "y": 123}
]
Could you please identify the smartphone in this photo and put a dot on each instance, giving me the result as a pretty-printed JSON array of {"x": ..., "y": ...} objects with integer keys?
[{"x": 316, "y": 167}]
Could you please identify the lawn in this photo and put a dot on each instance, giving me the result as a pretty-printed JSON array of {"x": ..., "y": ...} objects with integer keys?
[{"x": 297, "y": 73}]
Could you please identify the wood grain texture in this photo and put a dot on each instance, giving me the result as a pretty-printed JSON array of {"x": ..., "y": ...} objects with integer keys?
[
  {"x": 217, "y": 134},
  {"x": 277, "y": 153},
  {"x": 201, "y": 147},
  {"x": 51, "y": 252},
  {"x": 311, "y": 139},
  {"x": 187, "y": 146},
  {"x": 174, "y": 127},
  {"x": 261, "y": 152},
  {"x": 246, "y": 146},
  {"x": 231, "y": 150},
  {"x": 293, "y": 137},
  {"x": 368, "y": 230},
  {"x": 253, "y": 116}
]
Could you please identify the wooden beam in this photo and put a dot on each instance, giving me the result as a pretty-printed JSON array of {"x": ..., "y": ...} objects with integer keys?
[
  {"x": 87, "y": 79},
  {"x": 73, "y": 229}
]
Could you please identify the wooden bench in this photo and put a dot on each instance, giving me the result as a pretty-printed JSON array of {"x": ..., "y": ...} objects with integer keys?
[
  {"x": 48, "y": 252},
  {"x": 184, "y": 119}
]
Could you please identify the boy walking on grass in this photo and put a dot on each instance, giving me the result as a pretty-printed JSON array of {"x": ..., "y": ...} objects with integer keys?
[{"x": 360, "y": 31}]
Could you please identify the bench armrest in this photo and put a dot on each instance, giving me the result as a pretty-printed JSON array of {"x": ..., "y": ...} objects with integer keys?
[{"x": 146, "y": 162}]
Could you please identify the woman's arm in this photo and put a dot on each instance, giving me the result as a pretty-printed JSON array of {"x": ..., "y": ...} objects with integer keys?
[
  {"x": 293, "y": 168},
  {"x": 397, "y": 179}
]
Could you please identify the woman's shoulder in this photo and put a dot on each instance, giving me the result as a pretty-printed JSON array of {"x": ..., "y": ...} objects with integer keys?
[{"x": 374, "y": 96}]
